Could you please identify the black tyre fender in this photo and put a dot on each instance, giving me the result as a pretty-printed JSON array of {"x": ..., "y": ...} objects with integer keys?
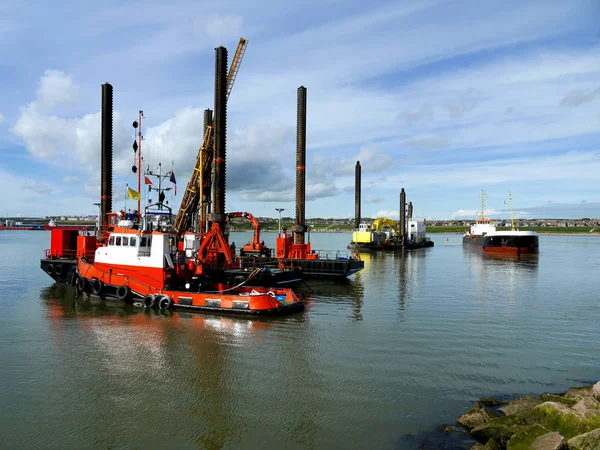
[
  {"x": 165, "y": 303},
  {"x": 123, "y": 293},
  {"x": 238, "y": 279},
  {"x": 58, "y": 270},
  {"x": 96, "y": 286},
  {"x": 81, "y": 282},
  {"x": 149, "y": 301},
  {"x": 50, "y": 269}
]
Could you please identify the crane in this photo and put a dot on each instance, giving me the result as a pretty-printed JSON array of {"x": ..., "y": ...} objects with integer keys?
[
  {"x": 380, "y": 224},
  {"x": 256, "y": 247},
  {"x": 199, "y": 182}
]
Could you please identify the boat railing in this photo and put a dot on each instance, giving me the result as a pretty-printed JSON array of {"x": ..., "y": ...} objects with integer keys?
[
  {"x": 65, "y": 254},
  {"x": 333, "y": 254}
]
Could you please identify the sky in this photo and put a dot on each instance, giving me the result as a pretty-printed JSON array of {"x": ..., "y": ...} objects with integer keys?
[{"x": 442, "y": 98}]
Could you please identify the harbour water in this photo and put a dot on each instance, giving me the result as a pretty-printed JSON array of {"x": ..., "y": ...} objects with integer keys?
[{"x": 379, "y": 362}]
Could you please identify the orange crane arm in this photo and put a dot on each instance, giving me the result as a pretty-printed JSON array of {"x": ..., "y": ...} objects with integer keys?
[{"x": 253, "y": 221}]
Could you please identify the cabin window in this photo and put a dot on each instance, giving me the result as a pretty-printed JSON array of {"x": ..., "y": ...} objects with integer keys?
[
  {"x": 125, "y": 241},
  {"x": 111, "y": 240},
  {"x": 118, "y": 240},
  {"x": 132, "y": 241},
  {"x": 143, "y": 241}
]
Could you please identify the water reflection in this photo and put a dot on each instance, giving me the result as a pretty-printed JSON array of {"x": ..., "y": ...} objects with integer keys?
[
  {"x": 501, "y": 275},
  {"x": 349, "y": 292},
  {"x": 201, "y": 365}
]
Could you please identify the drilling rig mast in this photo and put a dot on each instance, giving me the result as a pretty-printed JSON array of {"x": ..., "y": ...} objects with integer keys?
[{"x": 199, "y": 186}]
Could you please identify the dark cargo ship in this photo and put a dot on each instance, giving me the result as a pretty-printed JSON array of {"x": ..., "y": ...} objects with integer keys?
[{"x": 484, "y": 236}]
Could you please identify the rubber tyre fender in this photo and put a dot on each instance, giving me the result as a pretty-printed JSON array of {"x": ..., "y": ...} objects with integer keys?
[
  {"x": 123, "y": 293},
  {"x": 165, "y": 303},
  {"x": 58, "y": 270},
  {"x": 81, "y": 282},
  {"x": 238, "y": 279},
  {"x": 149, "y": 301},
  {"x": 50, "y": 269},
  {"x": 96, "y": 286}
]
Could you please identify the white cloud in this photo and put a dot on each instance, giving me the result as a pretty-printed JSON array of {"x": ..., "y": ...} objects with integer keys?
[
  {"x": 578, "y": 97},
  {"x": 390, "y": 214},
  {"x": 424, "y": 113},
  {"x": 38, "y": 187},
  {"x": 426, "y": 143},
  {"x": 56, "y": 88},
  {"x": 70, "y": 179},
  {"x": 220, "y": 27},
  {"x": 373, "y": 198}
]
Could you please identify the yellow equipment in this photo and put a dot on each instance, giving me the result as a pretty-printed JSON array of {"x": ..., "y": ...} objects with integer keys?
[
  {"x": 200, "y": 179},
  {"x": 380, "y": 224}
]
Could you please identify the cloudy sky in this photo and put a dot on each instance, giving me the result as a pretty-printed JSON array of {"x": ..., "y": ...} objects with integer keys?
[{"x": 443, "y": 98}]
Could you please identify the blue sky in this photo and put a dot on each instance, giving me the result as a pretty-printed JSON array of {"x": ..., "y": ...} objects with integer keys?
[{"x": 443, "y": 98}]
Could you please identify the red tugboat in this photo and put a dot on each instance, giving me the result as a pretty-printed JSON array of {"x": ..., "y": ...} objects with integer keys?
[
  {"x": 146, "y": 266},
  {"x": 156, "y": 263}
]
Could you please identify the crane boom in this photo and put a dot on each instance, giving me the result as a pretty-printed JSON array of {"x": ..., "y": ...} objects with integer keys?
[{"x": 200, "y": 178}]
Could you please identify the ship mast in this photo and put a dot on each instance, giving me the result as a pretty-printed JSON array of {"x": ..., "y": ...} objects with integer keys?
[
  {"x": 483, "y": 195},
  {"x": 137, "y": 148},
  {"x": 512, "y": 217}
]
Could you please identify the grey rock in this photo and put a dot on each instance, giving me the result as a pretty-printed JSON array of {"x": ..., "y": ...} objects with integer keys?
[
  {"x": 596, "y": 391},
  {"x": 520, "y": 405},
  {"x": 586, "y": 441},
  {"x": 476, "y": 416},
  {"x": 585, "y": 404},
  {"x": 577, "y": 393},
  {"x": 549, "y": 441}
]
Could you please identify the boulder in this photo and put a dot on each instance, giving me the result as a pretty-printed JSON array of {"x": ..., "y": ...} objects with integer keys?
[
  {"x": 578, "y": 393},
  {"x": 491, "y": 402},
  {"x": 501, "y": 429},
  {"x": 549, "y": 441},
  {"x": 558, "y": 398},
  {"x": 520, "y": 405},
  {"x": 586, "y": 404},
  {"x": 478, "y": 446},
  {"x": 523, "y": 439},
  {"x": 476, "y": 416},
  {"x": 586, "y": 441},
  {"x": 561, "y": 418},
  {"x": 596, "y": 391}
]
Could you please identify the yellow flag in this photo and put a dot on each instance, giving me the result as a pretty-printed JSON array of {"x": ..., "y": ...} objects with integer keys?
[{"x": 135, "y": 195}]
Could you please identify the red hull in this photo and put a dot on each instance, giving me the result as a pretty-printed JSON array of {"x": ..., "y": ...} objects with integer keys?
[{"x": 243, "y": 300}]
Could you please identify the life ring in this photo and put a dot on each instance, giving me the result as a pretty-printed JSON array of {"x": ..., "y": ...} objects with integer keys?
[
  {"x": 356, "y": 255},
  {"x": 165, "y": 303},
  {"x": 58, "y": 269},
  {"x": 81, "y": 283},
  {"x": 123, "y": 293},
  {"x": 96, "y": 286},
  {"x": 149, "y": 301},
  {"x": 50, "y": 269}
]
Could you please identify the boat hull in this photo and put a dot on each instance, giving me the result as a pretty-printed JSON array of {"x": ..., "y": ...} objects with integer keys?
[
  {"x": 60, "y": 270},
  {"x": 527, "y": 244},
  {"x": 216, "y": 298},
  {"x": 387, "y": 246}
]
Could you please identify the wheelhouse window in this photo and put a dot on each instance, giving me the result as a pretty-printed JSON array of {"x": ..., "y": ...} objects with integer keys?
[
  {"x": 111, "y": 240},
  {"x": 125, "y": 241},
  {"x": 132, "y": 241},
  {"x": 118, "y": 240},
  {"x": 143, "y": 241}
]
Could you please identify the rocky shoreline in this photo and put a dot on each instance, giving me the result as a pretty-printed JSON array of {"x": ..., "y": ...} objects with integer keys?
[{"x": 570, "y": 420}]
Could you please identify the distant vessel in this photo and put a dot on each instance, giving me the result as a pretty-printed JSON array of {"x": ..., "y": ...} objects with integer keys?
[
  {"x": 15, "y": 226},
  {"x": 484, "y": 236}
]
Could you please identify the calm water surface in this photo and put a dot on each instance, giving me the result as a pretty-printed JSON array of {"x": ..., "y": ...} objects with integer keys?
[{"x": 378, "y": 362}]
